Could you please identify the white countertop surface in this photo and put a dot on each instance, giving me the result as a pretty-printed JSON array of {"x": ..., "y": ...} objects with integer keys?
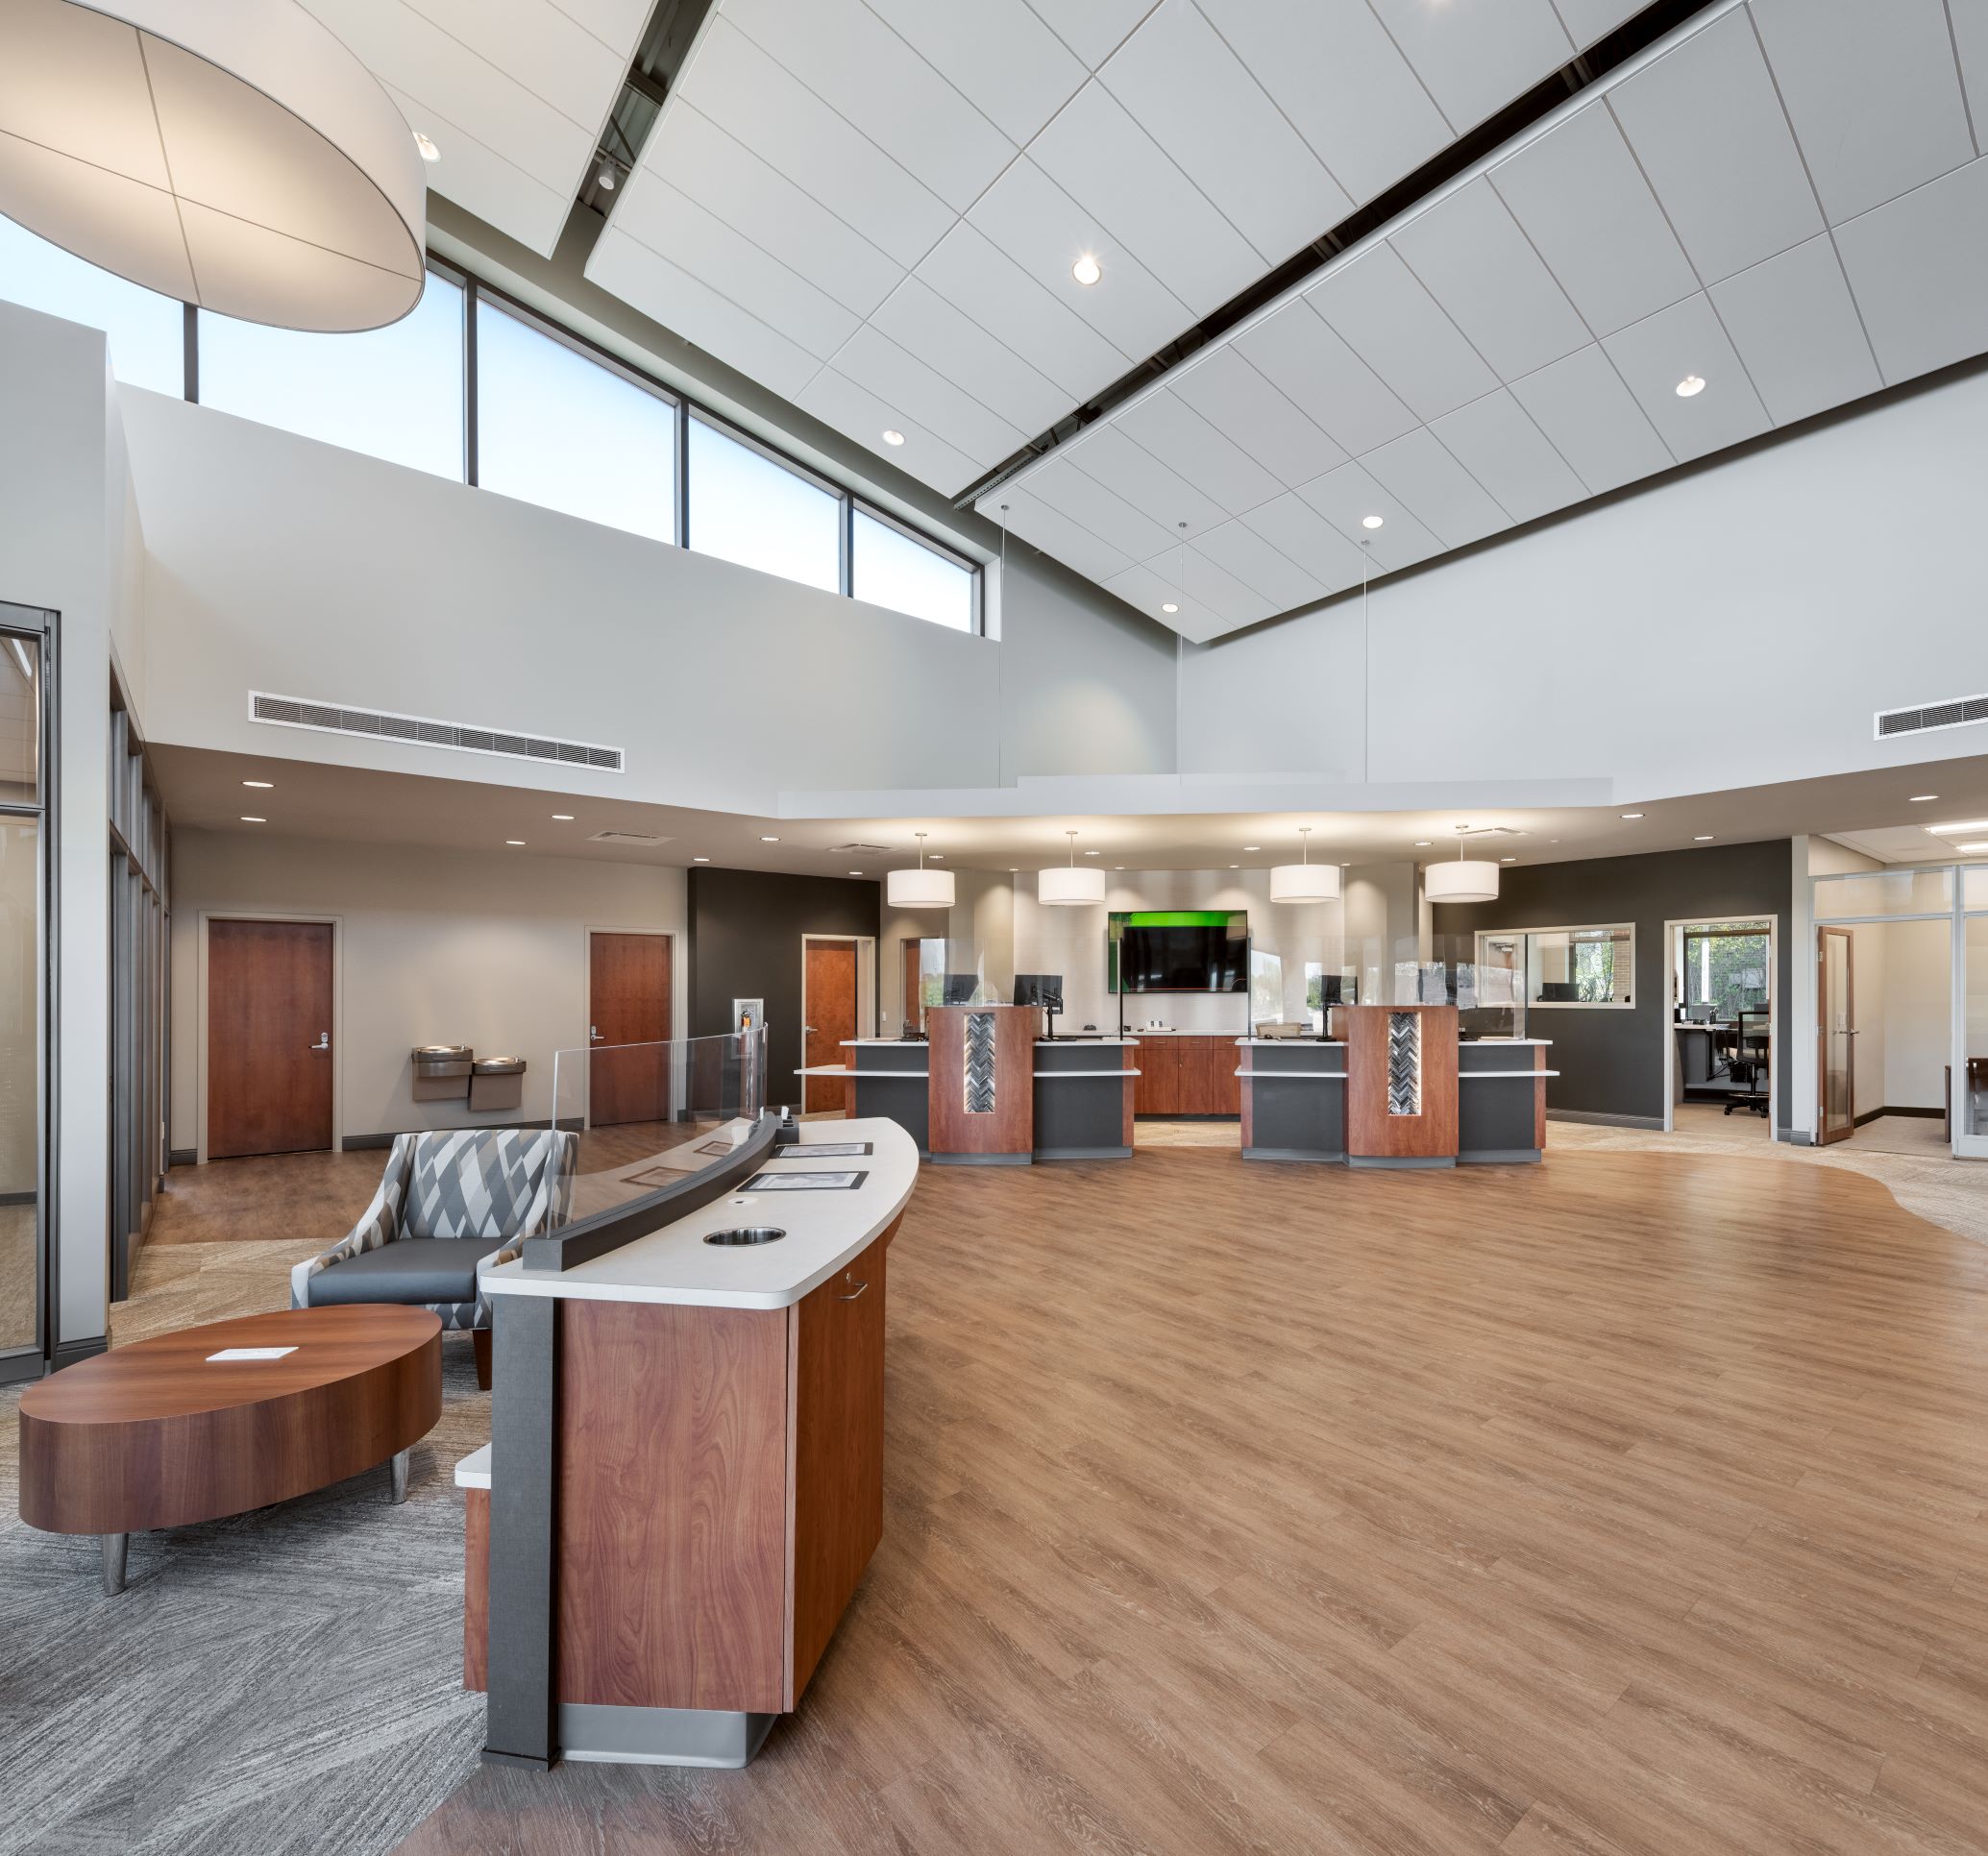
[
  {"x": 473, "y": 1471},
  {"x": 824, "y": 1231},
  {"x": 1294, "y": 1044}
]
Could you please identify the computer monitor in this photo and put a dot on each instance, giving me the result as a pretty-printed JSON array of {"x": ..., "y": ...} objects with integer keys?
[
  {"x": 960, "y": 989},
  {"x": 1558, "y": 992},
  {"x": 1043, "y": 989},
  {"x": 1701, "y": 1012}
]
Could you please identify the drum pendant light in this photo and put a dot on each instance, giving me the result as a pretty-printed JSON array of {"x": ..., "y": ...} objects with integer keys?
[
  {"x": 229, "y": 153},
  {"x": 1305, "y": 881},
  {"x": 920, "y": 889},
  {"x": 1070, "y": 886},
  {"x": 1460, "y": 881}
]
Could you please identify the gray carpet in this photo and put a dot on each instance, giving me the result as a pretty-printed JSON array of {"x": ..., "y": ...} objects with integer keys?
[{"x": 287, "y": 1680}]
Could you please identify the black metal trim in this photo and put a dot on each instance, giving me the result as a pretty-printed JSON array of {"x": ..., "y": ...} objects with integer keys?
[
  {"x": 472, "y": 462},
  {"x": 189, "y": 354}
]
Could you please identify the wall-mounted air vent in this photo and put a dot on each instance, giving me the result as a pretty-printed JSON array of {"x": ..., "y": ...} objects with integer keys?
[
  {"x": 613, "y": 837},
  {"x": 859, "y": 850},
  {"x": 1956, "y": 711},
  {"x": 423, "y": 731}
]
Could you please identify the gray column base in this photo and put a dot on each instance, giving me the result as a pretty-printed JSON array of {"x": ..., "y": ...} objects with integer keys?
[
  {"x": 1318, "y": 1156},
  {"x": 982, "y": 1160},
  {"x": 1083, "y": 1153},
  {"x": 114, "y": 1547},
  {"x": 1402, "y": 1162},
  {"x": 660, "y": 1736},
  {"x": 1489, "y": 1155}
]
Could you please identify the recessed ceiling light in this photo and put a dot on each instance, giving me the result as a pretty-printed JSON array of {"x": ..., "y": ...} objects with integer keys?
[
  {"x": 1632, "y": 815},
  {"x": 1921, "y": 798},
  {"x": 767, "y": 838},
  {"x": 937, "y": 857},
  {"x": 1689, "y": 387},
  {"x": 519, "y": 841},
  {"x": 1234, "y": 866},
  {"x": 429, "y": 151},
  {"x": 1372, "y": 521},
  {"x": 1508, "y": 860},
  {"x": 562, "y": 817},
  {"x": 1117, "y": 866},
  {"x": 1169, "y": 606},
  {"x": 1423, "y": 843},
  {"x": 855, "y": 872},
  {"x": 892, "y": 436},
  {"x": 699, "y": 859},
  {"x": 1252, "y": 847},
  {"x": 1960, "y": 825},
  {"x": 250, "y": 819},
  {"x": 1094, "y": 853},
  {"x": 261, "y": 786},
  {"x": 1703, "y": 838},
  {"x": 1972, "y": 847},
  {"x": 1087, "y": 270}
]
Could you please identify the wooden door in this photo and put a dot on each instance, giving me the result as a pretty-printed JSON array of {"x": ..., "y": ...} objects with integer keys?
[
  {"x": 1208, "y": 1084},
  {"x": 1835, "y": 1062},
  {"x": 269, "y": 1037},
  {"x": 828, "y": 1016},
  {"x": 914, "y": 1007},
  {"x": 628, "y": 1005}
]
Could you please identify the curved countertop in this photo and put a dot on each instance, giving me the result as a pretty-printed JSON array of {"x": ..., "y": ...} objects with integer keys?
[{"x": 825, "y": 1231}]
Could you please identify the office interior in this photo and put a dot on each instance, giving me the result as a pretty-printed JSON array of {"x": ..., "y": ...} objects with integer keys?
[{"x": 992, "y": 929}]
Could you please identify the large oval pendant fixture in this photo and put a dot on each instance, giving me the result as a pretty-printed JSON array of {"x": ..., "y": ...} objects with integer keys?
[
  {"x": 1464, "y": 881},
  {"x": 919, "y": 889},
  {"x": 1069, "y": 886},
  {"x": 229, "y": 153},
  {"x": 1305, "y": 881}
]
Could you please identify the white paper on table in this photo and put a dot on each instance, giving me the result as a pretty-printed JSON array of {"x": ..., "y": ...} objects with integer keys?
[{"x": 251, "y": 1353}]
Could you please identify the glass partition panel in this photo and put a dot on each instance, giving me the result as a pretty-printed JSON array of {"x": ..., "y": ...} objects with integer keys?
[
  {"x": 1969, "y": 1095},
  {"x": 1973, "y": 893},
  {"x": 1581, "y": 966},
  {"x": 562, "y": 429},
  {"x": 889, "y": 567},
  {"x": 20, "y": 1088},
  {"x": 394, "y": 393},
  {"x": 748, "y": 508},
  {"x": 147, "y": 332},
  {"x": 1883, "y": 892},
  {"x": 20, "y": 720}
]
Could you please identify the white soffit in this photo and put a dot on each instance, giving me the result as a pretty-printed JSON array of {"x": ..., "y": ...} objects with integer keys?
[
  {"x": 874, "y": 207},
  {"x": 516, "y": 95},
  {"x": 1786, "y": 198}
]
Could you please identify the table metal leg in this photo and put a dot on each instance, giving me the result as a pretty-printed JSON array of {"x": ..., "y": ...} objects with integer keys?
[
  {"x": 112, "y": 1547},
  {"x": 398, "y": 1492}
]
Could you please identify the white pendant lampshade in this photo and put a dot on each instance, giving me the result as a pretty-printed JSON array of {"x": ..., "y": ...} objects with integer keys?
[
  {"x": 920, "y": 889},
  {"x": 229, "y": 153},
  {"x": 1068, "y": 885},
  {"x": 1460, "y": 882},
  {"x": 1305, "y": 881}
]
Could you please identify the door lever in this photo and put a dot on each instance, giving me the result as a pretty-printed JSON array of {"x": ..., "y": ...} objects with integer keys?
[{"x": 324, "y": 1041}]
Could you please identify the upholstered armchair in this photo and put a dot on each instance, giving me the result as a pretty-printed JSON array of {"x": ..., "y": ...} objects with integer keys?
[{"x": 451, "y": 1208}]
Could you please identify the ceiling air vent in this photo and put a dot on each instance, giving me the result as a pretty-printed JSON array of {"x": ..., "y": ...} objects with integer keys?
[
  {"x": 423, "y": 731},
  {"x": 859, "y": 850},
  {"x": 613, "y": 837},
  {"x": 1956, "y": 711}
]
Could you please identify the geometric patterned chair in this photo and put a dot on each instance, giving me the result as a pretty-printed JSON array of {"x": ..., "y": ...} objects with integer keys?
[{"x": 450, "y": 1207}]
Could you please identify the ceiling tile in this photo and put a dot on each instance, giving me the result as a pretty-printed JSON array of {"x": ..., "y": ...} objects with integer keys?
[
  {"x": 698, "y": 242},
  {"x": 1153, "y": 592},
  {"x": 1044, "y": 231},
  {"x": 1873, "y": 92},
  {"x": 1301, "y": 534},
  {"x": 1970, "y": 19},
  {"x": 977, "y": 277},
  {"x": 1588, "y": 21},
  {"x": 1655, "y": 355},
  {"x": 1577, "y": 193},
  {"x": 496, "y": 190},
  {"x": 1178, "y": 435},
  {"x": 901, "y": 379},
  {"x": 691, "y": 309},
  {"x": 1048, "y": 528},
  {"x": 1592, "y": 419},
  {"x": 1476, "y": 56},
  {"x": 1108, "y": 516},
  {"x": 996, "y": 54},
  {"x": 1471, "y": 256},
  {"x": 546, "y": 49},
  {"x": 1215, "y": 587},
  {"x": 864, "y": 71},
  {"x": 1346, "y": 497},
  {"x": 1092, "y": 29},
  {"x": 1271, "y": 576},
  {"x": 759, "y": 103},
  {"x": 1259, "y": 418},
  {"x": 950, "y": 342},
  {"x": 1334, "y": 71},
  {"x": 1496, "y": 441},
  {"x": 1193, "y": 96},
  {"x": 1297, "y": 352},
  {"x": 727, "y": 178},
  {"x": 1449, "y": 501},
  {"x": 1919, "y": 269},
  {"x": 1149, "y": 486},
  {"x": 617, "y": 23},
  {"x": 840, "y": 401},
  {"x": 1795, "y": 328},
  {"x": 1100, "y": 156},
  {"x": 1708, "y": 129},
  {"x": 1397, "y": 328}
]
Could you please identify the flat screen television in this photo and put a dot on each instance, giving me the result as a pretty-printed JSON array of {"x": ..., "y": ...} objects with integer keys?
[{"x": 1180, "y": 950}]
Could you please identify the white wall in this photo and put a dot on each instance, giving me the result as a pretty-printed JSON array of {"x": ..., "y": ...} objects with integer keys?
[
  {"x": 1918, "y": 1012},
  {"x": 1827, "y": 575},
  {"x": 468, "y": 947}
]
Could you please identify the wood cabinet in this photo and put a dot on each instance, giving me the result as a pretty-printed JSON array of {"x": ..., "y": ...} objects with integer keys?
[
  {"x": 1156, "y": 1089},
  {"x": 1188, "y": 1076}
]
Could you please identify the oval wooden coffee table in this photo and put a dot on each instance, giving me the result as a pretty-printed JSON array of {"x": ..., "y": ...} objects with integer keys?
[{"x": 162, "y": 1434}]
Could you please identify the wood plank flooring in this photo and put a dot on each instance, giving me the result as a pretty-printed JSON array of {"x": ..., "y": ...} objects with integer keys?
[{"x": 1632, "y": 1505}]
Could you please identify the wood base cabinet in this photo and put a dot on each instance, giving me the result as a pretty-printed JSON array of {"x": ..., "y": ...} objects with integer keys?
[{"x": 1188, "y": 1076}]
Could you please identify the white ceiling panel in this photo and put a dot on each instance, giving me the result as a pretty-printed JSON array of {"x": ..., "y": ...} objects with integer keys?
[
  {"x": 1348, "y": 495},
  {"x": 1708, "y": 129},
  {"x": 873, "y": 360},
  {"x": 1475, "y": 56},
  {"x": 1296, "y": 351},
  {"x": 867, "y": 74},
  {"x": 1089, "y": 504},
  {"x": 840, "y": 401},
  {"x": 1593, "y": 421},
  {"x": 1132, "y": 472},
  {"x": 1269, "y": 573},
  {"x": 1177, "y": 435},
  {"x": 1092, "y": 29},
  {"x": 997, "y": 54},
  {"x": 1102, "y": 159},
  {"x": 1452, "y": 504},
  {"x": 948, "y": 340},
  {"x": 1176, "y": 76},
  {"x": 1588, "y": 21},
  {"x": 1259, "y": 418},
  {"x": 1301, "y": 534},
  {"x": 1496, "y": 441},
  {"x": 1656, "y": 355},
  {"x": 1797, "y": 330},
  {"x": 1918, "y": 266},
  {"x": 489, "y": 185},
  {"x": 1580, "y": 197},
  {"x": 542, "y": 46},
  {"x": 1970, "y": 19},
  {"x": 1152, "y": 592},
  {"x": 1470, "y": 256},
  {"x": 614, "y": 22},
  {"x": 1055, "y": 533},
  {"x": 1380, "y": 311},
  {"x": 1873, "y": 92},
  {"x": 1215, "y": 587}
]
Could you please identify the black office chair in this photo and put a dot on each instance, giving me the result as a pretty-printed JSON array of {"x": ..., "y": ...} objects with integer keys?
[{"x": 1753, "y": 1040}]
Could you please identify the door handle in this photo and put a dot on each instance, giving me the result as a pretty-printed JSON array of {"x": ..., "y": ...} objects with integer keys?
[
  {"x": 850, "y": 1276},
  {"x": 809, "y": 1029},
  {"x": 594, "y": 1033},
  {"x": 324, "y": 1041}
]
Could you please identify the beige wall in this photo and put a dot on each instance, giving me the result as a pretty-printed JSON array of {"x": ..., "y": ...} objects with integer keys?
[{"x": 473, "y": 947}]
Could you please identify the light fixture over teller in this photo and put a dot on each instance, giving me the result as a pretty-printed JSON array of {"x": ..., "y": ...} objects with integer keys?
[
  {"x": 1462, "y": 881},
  {"x": 1071, "y": 886},
  {"x": 1304, "y": 881},
  {"x": 920, "y": 889},
  {"x": 228, "y": 153}
]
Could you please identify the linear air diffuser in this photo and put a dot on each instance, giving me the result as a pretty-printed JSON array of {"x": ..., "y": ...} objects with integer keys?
[{"x": 424, "y": 731}]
